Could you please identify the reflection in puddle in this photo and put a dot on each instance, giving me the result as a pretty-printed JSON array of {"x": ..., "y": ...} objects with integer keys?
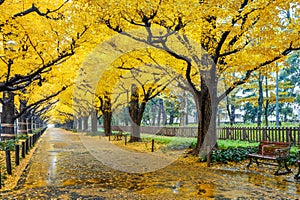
[{"x": 52, "y": 160}]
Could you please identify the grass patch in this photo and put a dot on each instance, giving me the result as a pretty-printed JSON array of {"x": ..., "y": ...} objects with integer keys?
[
  {"x": 98, "y": 133},
  {"x": 173, "y": 143},
  {"x": 191, "y": 142},
  {"x": 224, "y": 144}
]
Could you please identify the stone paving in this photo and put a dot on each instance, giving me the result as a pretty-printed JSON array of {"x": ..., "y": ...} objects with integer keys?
[{"x": 69, "y": 165}]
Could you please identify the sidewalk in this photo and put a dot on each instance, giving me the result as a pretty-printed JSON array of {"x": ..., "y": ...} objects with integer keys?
[{"x": 69, "y": 165}]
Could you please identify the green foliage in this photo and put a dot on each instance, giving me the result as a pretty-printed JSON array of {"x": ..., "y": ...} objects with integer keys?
[
  {"x": 230, "y": 154},
  {"x": 172, "y": 141},
  {"x": 35, "y": 131},
  {"x": 232, "y": 150},
  {"x": 224, "y": 144},
  {"x": 98, "y": 133},
  {"x": 22, "y": 136},
  {"x": 250, "y": 113},
  {"x": 117, "y": 132},
  {"x": 294, "y": 155},
  {"x": 7, "y": 144},
  {"x": 172, "y": 108}
]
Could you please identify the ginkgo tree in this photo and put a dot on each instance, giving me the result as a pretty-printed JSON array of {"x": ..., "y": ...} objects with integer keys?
[
  {"x": 235, "y": 37},
  {"x": 143, "y": 78},
  {"x": 36, "y": 50},
  {"x": 29, "y": 53}
]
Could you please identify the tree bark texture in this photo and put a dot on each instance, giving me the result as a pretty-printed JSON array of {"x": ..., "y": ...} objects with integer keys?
[{"x": 7, "y": 117}]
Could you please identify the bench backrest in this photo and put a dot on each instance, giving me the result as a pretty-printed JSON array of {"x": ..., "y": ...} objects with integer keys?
[{"x": 268, "y": 148}]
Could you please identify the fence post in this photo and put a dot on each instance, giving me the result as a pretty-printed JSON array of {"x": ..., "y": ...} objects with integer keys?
[
  {"x": 287, "y": 135},
  {"x": 23, "y": 149},
  {"x": 8, "y": 161},
  {"x": 152, "y": 145},
  {"x": 17, "y": 155},
  {"x": 244, "y": 133},
  {"x": 34, "y": 139},
  {"x": 27, "y": 145},
  {"x": 264, "y": 133},
  {"x": 30, "y": 142},
  {"x": 227, "y": 133}
]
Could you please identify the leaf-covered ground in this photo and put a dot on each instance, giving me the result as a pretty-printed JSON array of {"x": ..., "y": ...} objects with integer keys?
[{"x": 69, "y": 165}]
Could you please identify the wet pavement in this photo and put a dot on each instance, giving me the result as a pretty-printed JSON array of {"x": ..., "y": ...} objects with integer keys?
[{"x": 69, "y": 165}]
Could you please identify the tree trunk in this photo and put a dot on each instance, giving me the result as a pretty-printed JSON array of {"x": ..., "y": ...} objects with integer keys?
[
  {"x": 206, "y": 101},
  {"x": 267, "y": 103},
  {"x": 69, "y": 125},
  {"x": 160, "y": 108},
  {"x": 75, "y": 124},
  {"x": 79, "y": 124},
  {"x": 171, "y": 119},
  {"x": 85, "y": 123},
  {"x": 260, "y": 99},
  {"x": 162, "y": 115},
  {"x": 22, "y": 119},
  {"x": 153, "y": 112},
  {"x": 183, "y": 114},
  {"x": 126, "y": 121},
  {"x": 230, "y": 106},
  {"x": 187, "y": 114},
  {"x": 134, "y": 114},
  {"x": 94, "y": 121},
  {"x": 29, "y": 124},
  {"x": 7, "y": 117},
  {"x": 107, "y": 116}
]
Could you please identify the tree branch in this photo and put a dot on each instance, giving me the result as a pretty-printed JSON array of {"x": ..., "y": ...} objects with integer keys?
[
  {"x": 43, "y": 14},
  {"x": 47, "y": 98},
  {"x": 249, "y": 72}
]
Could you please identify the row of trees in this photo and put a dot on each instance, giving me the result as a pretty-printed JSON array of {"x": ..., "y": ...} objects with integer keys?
[
  {"x": 37, "y": 39},
  {"x": 147, "y": 49},
  {"x": 233, "y": 41},
  {"x": 257, "y": 99}
]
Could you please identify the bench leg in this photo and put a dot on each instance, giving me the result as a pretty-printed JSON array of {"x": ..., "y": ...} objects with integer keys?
[
  {"x": 256, "y": 160},
  {"x": 251, "y": 161},
  {"x": 281, "y": 164}
]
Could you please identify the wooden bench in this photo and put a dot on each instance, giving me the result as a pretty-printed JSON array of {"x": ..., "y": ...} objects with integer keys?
[{"x": 277, "y": 151}]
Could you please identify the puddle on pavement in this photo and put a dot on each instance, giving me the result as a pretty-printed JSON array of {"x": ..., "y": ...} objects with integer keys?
[
  {"x": 51, "y": 179},
  {"x": 181, "y": 179},
  {"x": 205, "y": 185}
]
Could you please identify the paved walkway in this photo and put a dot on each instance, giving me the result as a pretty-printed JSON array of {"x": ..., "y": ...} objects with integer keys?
[{"x": 72, "y": 166}]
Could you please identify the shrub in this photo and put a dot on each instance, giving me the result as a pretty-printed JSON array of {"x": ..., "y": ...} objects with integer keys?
[
  {"x": 230, "y": 154},
  {"x": 10, "y": 144},
  {"x": 22, "y": 136}
]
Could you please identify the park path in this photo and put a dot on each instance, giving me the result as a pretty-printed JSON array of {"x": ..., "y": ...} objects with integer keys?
[{"x": 70, "y": 165}]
